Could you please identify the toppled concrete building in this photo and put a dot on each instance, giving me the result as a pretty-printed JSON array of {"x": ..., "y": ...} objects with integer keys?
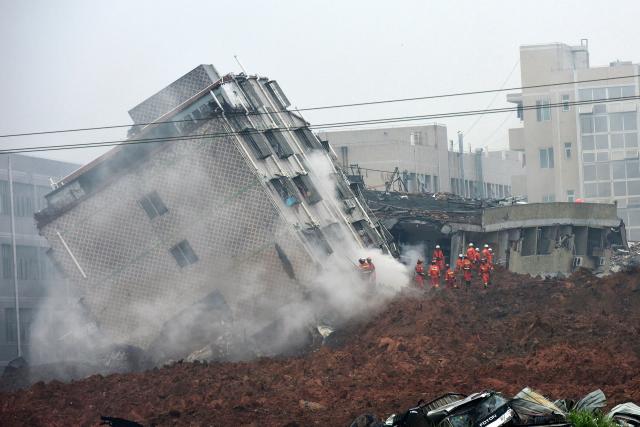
[
  {"x": 217, "y": 200},
  {"x": 537, "y": 238}
]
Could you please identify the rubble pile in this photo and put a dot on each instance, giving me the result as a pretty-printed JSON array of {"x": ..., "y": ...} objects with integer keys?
[
  {"x": 625, "y": 258},
  {"x": 562, "y": 337}
]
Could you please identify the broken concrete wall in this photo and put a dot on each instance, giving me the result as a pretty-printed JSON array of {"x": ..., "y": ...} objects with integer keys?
[{"x": 559, "y": 260}]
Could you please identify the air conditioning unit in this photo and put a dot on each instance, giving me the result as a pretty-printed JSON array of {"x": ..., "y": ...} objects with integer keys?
[{"x": 577, "y": 261}]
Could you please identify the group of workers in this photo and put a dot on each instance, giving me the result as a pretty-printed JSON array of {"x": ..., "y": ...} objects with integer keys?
[{"x": 474, "y": 259}]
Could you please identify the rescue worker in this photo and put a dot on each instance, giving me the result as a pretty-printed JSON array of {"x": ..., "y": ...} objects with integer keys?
[
  {"x": 485, "y": 252},
  {"x": 363, "y": 268},
  {"x": 419, "y": 276},
  {"x": 471, "y": 252},
  {"x": 485, "y": 272},
  {"x": 490, "y": 257},
  {"x": 438, "y": 255},
  {"x": 372, "y": 271},
  {"x": 450, "y": 277},
  {"x": 467, "y": 266},
  {"x": 434, "y": 273},
  {"x": 459, "y": 263},
  {"x": 477, "y": 257}
]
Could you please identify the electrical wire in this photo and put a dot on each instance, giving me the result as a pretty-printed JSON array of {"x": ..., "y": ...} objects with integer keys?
[
  {"x": 325, "y": 107},
  {"x": 466, "y": 132},
  {"x": 322, "y": 126}
]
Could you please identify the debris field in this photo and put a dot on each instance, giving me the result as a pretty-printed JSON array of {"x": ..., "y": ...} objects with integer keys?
[{"x": 562, "y": 337}]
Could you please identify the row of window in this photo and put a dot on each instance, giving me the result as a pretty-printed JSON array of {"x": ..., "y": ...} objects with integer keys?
[
  {"x": 265, "y": 144},
  {"x": 616, "y": 170},
  {"x": 27, "y": 198},
  {"x": 605, "y": 93},
  {"x": 614, "y": 122},
  {"x": 606, "y": 141},
  {"x": 32, "y": 263},
  {"x": 11, "y": 331}
]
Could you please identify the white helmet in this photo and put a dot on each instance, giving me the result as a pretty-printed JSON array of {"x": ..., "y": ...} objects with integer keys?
[
  {"x": 486, "y": 246},
  {"x": 470, "y": 245},
  {"x": 490, "y": 250},
  {"x": 437, "y": 246},
  {"x": 460, "y": 255}
]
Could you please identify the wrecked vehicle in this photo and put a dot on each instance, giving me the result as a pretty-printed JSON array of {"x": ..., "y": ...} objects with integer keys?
[
  {"x": 492, "y": 409},
  {"x": 486, "y": 409}
]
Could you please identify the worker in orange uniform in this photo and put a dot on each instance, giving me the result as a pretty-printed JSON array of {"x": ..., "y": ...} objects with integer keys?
[
  {"x": 438, "y": 255},
  {"x": 490, "y": 257},
  {"x": 485, "y": 272},
  {"x": 450, "y": 277},
  {"x": 363, "y": 269},
  {"x": 467, "y": 266},
  {"x": 434, "y": 274},
  {"x": 419, "y": 276},
  {"x": 372, "y": 271},
  {"x": 471, "y": 252},
  {"x": 477, "y": 258},
  {"x": 459, "y": 263},
  {"x": 485, "y": 252}
]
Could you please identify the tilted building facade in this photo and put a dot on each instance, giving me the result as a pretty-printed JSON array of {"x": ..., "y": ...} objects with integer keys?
[{"x": 225, "y": 191}]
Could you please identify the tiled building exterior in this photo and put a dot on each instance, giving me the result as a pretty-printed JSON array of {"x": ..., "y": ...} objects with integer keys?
[{"x": 235, "y": 207}]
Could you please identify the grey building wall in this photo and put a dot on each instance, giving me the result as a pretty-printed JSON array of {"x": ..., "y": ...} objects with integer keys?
[
  {"x": 37, "y": 276},
  {"x": 422, "y": 155}
]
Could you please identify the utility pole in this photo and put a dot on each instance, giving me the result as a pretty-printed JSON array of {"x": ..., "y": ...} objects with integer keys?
[{"x": 15, "y": 261}]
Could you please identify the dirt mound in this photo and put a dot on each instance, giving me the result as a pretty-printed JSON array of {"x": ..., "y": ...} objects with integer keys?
[{"x": 562, "y": 337}]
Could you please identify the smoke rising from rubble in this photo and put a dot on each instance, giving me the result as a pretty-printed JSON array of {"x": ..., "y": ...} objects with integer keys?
[{"x": 335, "y": 295}]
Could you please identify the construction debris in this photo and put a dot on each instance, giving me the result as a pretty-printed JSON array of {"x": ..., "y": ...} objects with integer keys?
[{"x": 489, "y": 408}]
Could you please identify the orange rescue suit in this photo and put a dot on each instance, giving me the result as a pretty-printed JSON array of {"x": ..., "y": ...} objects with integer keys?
[
  {"x": 450, "y": 277},
  {"x": 466, "y": 268},
  {"x": 485, "y": 273},
  {"x": 434, "y": 273},
  {"x": 420, "y": 274}
]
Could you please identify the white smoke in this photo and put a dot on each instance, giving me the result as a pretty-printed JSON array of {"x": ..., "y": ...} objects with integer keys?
[{"x": 337, "y": 294}]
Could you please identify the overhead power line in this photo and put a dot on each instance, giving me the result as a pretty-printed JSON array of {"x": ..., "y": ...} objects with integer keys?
[
  {"x": 325, "y": 107},
  {"x": 322, "y": 126}
]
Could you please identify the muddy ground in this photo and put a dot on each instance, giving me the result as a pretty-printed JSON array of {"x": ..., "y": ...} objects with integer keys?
[{"x": 562, "y": 337}]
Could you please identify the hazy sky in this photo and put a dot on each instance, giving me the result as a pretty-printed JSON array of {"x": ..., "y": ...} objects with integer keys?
[{"x": 68, "y": 64}]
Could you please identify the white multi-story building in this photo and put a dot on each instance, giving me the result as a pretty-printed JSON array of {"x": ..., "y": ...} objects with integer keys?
[{"x": 580, "y": 139}]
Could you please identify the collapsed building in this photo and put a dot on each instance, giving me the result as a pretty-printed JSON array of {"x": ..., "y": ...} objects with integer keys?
[
  {"x": 215, "y": 201},
  {"x": 536, "y": 238}
]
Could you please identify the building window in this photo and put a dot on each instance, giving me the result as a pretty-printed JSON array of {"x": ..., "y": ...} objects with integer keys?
[
  {"x": 565, "y": 103},
  {"x": 26, "y": 318},
  {"x": 571, "y": 196},
  {"x": 548, "y": 198},
  {"x": 546, "y": 158},
  {"x": 543, "y": 110},
  {"x": 258, "y": 143},
  {"x": 183, "y": 254},
  {"x": 308, "y": 139},
  {"x": 286, "y": 189},
  {"x": 307, "y": 189},
  {"x": 567, "y": 150},
  {"x": 279, "y": 143},
  {"x": 520, "y": 111},
  {"x": 153, "y": 205}
]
